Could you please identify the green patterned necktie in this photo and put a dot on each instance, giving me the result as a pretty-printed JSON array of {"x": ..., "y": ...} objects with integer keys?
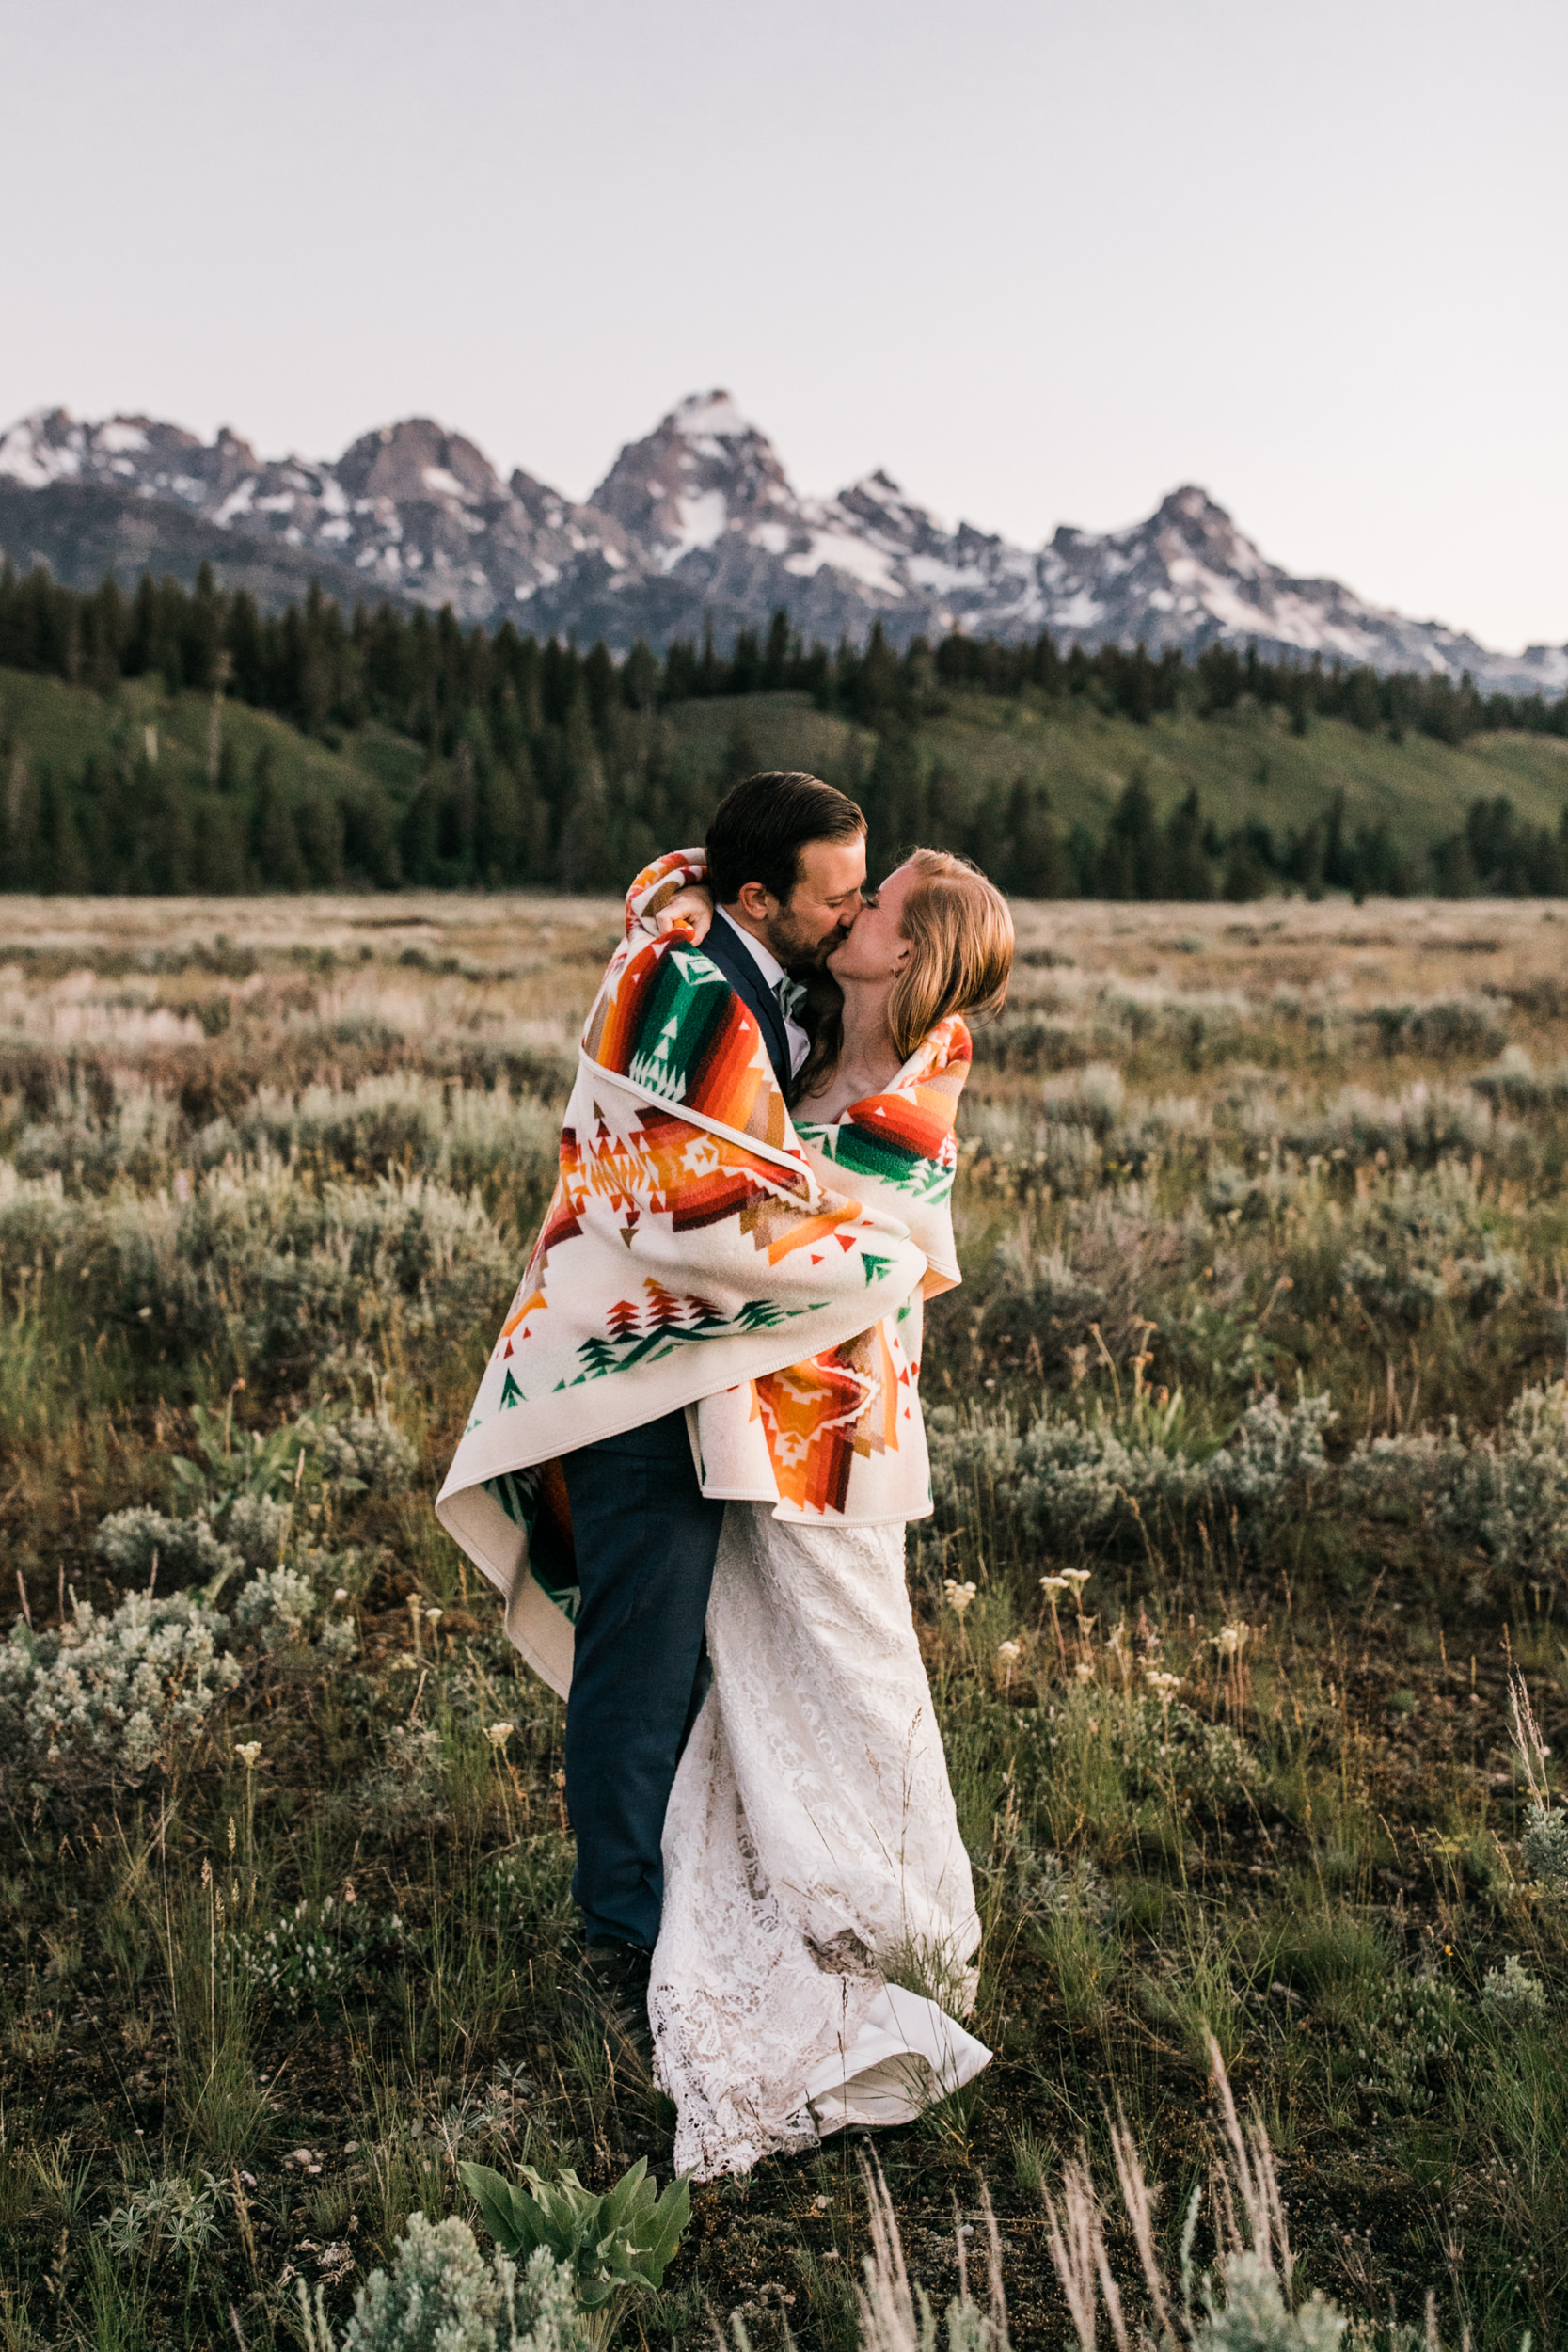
[{"x": 791, "y": 996}]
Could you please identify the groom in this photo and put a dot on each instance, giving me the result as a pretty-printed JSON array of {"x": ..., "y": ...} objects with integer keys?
[{"x": 786, "y": 864}]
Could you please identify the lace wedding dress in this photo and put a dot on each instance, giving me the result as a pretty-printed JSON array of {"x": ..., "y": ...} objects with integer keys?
[{"x": 813, "y": 1867}]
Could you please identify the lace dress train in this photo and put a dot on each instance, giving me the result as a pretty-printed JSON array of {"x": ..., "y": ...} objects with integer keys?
[{"x": 811, "y": 1850}]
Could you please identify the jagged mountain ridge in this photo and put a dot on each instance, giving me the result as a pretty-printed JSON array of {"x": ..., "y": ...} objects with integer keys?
[{"x": 695, "y": 524}]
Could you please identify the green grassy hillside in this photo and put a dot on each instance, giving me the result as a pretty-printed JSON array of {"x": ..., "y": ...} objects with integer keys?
[
  {"x": 63, "y": 726},
  {"x": 142, "y": 788},
  {"x": 1246, "y": 764}
]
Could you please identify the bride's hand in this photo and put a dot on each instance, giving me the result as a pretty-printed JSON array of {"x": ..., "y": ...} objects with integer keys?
[{"x": 693, "y": 905}]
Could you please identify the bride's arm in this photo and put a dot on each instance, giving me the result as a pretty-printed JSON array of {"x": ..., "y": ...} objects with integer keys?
[
  {"x": 692, "y": 906},
  {"x": 673, "y": 890}
]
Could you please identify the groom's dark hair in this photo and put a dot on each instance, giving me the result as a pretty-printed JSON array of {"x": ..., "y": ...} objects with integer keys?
[{"x": 761, "y": 826}]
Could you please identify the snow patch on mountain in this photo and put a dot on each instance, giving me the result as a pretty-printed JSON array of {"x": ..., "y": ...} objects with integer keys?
[{"x": 697, "y": 523}]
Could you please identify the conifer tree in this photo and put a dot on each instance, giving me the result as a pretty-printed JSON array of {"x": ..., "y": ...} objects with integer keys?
[
  {"x": 20, "y": 848},
  {"x": 894, "y": 801},
  {"x": 92, "y": 796},
  {"x": 60, "y": 863},
  {"x": 1187, "y": 873},
  {"x": 500, "y": 845},
  {"x": 640, "y": 679},
  {"x": 1132, "y": 856},
  {"x": 1037, "y": 864},
  {"x": 275, "y": 851},
  {"x": 586, "y": 857},
  {"x": 170, "y": 830},
  {"x": 419, "y": 835},
  {"x": 319, "y": 827},
  {"x": 221, "y": 866},
  {"x": 370, "y": 836},
  {"x": 741, "y": 759},
  {"x": 775, "y": 657}
]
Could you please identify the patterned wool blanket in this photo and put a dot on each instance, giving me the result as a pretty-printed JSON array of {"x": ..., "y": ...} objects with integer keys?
[{"x": 701, "y": 1251}]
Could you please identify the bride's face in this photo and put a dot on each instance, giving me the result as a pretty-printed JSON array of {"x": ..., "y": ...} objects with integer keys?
[{"x": 876, "y": 948}]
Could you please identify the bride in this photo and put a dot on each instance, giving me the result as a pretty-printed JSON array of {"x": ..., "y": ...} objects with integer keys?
[{"x": 819, "y": 1938}]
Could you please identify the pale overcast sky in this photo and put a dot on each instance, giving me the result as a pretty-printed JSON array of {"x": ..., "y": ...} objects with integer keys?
[{"x": 1042, "y": 261}]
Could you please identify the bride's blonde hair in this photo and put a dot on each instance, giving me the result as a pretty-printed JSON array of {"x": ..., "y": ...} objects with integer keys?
[
  {"x": 961, "y": 932},
  {"x": 961, "y": 929}
]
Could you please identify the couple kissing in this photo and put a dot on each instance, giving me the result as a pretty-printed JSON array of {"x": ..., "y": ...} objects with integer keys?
[{"x": 692, "y": 1455}]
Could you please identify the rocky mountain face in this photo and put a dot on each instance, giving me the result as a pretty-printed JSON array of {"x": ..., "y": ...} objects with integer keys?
[{"x": 696, "y": 525}]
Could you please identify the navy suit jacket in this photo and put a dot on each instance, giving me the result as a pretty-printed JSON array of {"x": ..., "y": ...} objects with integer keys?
[{"x": 725, "y": 948}]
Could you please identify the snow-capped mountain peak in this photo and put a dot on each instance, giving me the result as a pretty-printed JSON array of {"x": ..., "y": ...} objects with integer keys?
[
  {"x": 704, "y": 472},
  {"x": 696, "y": 524}
]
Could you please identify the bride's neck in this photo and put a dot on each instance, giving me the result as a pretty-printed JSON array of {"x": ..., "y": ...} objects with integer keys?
[{"x": 867, "y": 1039}]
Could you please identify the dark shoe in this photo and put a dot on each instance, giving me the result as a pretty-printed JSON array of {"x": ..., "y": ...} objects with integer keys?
[{"x": 613, "y": 1981}]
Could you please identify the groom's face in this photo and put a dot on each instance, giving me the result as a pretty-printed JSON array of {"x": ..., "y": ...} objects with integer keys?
[{"x": 822, "y": 907}]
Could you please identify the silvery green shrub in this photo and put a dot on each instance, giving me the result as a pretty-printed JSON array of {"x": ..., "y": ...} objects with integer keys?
[
  {"x": 366, "y": 1451},
  {"x": 441, "y": 2295},
  {"x": 303, "y": 1961},
  {"x": 1207, "y": 1762},
  {"x": 1414, "y": 2025},
  {"x": 1274, "y": 1449},
  {"x": 170, "y": 2211},
  {"x": 280, "y": 1605},
  {"x": 1061, "y": 1480},
  {"x": 408, "y": 1784},
  {"x": 188, "y": 1551},
  {"x": 133, "y": 1138},
  {"x": 1157, "y": 1748},
  {"x": 1469, "y": 1022},
  {"x": 1510, "y": 1996},
  {"x": 1245, "y": 2310},
  {"x": 286, "y": 1606},
  {"x": 99, "y": 1703},
  {"x": 1514, "y": 1079},
  {"x": 1546, "y": 1842},
  {"x": 1092, "y": 1098},
  {"x": 331, "y": 1458},
  {"x": 1058, "y": 1479},
  {"x": 288, "y": 1281},
  {"x": 1505, "y": 1494},
  {"x": 1418, "y": 1128},
  {"x": 1039, "y": 1297},
  {"x": 1423, "y": 1240},
  {"x": 1048, "y": 1887},
  {"x": 257, "y": 1527}
]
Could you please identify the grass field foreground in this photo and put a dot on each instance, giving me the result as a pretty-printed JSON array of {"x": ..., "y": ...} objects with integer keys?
[{"x": 1250, "y": 1442}]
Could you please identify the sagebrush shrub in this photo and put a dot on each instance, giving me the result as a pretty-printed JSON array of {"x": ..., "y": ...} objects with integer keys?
[
  {"x": 304, "y": 1961},
  {"x": 184, "y": 1552},
  {"x": 1546, "y": 1842},
  {"x": 441, "y": 2295},
  {"x": 1422, "y": 1241},
  {"x": 1065, "y": 1481},
  {"x": 286, "y": 1281},
  {"x": 1505, "y": 1494},
  {"x": 1413, "y": 2026},
  {"x": 1510, "y": 1996},
  {"x": 103, "y": 1701}
]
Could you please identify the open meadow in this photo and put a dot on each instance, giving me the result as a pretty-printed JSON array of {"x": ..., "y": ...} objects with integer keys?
[{"x": 1250, "y": 1444}]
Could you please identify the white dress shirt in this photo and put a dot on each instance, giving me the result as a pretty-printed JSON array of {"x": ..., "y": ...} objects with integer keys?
[{"x": 772, "y": 972}]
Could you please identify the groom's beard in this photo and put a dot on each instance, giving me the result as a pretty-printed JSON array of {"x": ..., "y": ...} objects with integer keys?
[{"x": 794, "y": 945}]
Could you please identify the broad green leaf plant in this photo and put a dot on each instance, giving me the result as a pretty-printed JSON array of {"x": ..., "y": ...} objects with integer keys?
[{"x": 614, "y": 2246}]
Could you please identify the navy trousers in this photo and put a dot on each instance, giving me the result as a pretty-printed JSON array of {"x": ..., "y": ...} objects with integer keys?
[{"x": 646, "y": 1540}]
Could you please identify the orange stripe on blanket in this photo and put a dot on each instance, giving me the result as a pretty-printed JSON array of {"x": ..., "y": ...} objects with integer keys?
[{"x": 814, "y": 1228}]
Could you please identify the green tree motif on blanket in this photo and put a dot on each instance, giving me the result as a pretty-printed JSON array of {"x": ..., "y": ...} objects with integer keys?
[
  {"x": 673, "y": 1319},
  {"x": 687, "y": 1003}
]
